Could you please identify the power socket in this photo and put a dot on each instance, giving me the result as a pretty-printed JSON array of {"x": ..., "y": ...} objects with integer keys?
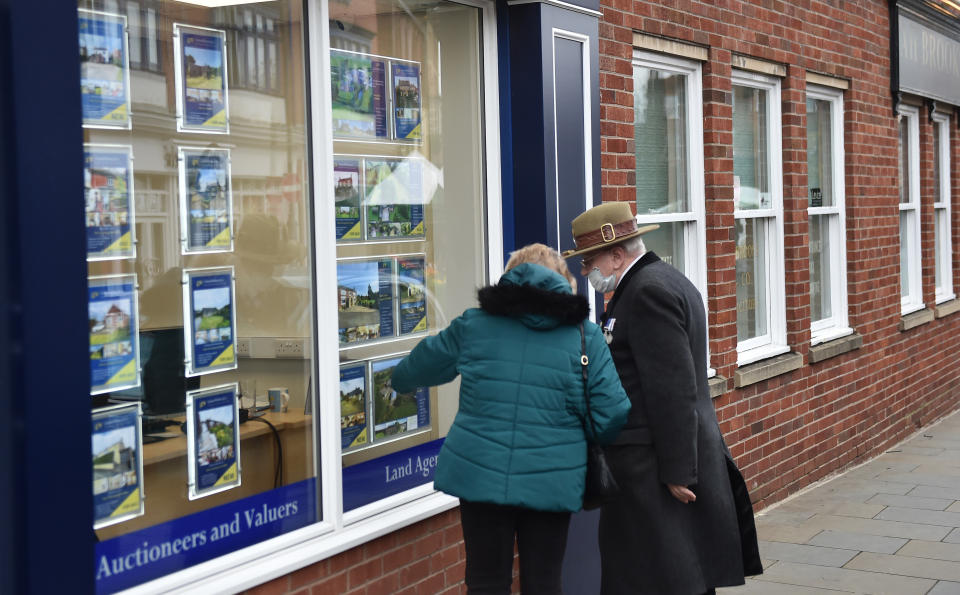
[
  {"x": 290, "y": 347},
  {"x": 243, "y": 347}
]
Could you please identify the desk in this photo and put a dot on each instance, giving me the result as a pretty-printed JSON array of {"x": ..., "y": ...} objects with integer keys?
[{"x": 165, "y": 470}]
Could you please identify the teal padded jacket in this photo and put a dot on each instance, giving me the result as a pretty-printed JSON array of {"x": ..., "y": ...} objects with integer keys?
[{"x": 519, "y": 435}]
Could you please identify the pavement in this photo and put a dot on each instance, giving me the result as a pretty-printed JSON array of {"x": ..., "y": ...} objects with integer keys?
[{"x": 891, "y": 525}]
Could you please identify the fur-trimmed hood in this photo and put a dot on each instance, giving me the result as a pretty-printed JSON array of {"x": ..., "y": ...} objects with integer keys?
[{"x": 537, "y": 296}]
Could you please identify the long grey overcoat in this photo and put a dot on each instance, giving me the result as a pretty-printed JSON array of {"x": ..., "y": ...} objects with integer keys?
[{"x": 649, "y": 541}]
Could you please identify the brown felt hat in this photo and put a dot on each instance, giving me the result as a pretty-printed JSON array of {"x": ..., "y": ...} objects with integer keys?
[{"x": 603, "y": 226}]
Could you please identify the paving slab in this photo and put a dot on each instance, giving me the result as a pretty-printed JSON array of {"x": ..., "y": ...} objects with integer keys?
[
  {"x": 883, "y": 528},
  {"x": 756, "y": 587},
  {"x": 844, "y": 579},
  {"x": 905, "y": 566},
  {"x": 928, "y": 479},
  {"x": 810, "y": 503},
  {"x": 858, "y": 542},
  {"x": 779, "y": 516},
  {"x": 951, "y": 469},
  {"x": 955, "y": 507},
  {"x": 953, "y": 537},
  {"x": 880, "y": 465},
  {"x": 925, "y": 517},
  {"x": 785, "y": 533},
  {"x": 915, "y": 450},
  {"x": 935, "y": 492},
  {"x": 912, "y": 502},
  {"x": 945, "y": 588},
  {"x": 935, "y": 550},
  {"x": 805, "y": 554}
]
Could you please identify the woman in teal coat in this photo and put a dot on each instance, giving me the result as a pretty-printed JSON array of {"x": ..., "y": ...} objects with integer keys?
[{"x": 516, "y": 453}]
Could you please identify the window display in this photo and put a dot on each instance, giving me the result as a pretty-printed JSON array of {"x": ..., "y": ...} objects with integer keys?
[
  {"x": 114, "y": 349},
  {"x": 210, "y": 315},
  {"x": 117, "y": 465},
  {"x": 206, "y": 200},
  {"x": 213, "y": 440},
  {"x": 104, "y": 70},
  {"x": 108, "y": 189},
  {"x": 201, "y": 77}
]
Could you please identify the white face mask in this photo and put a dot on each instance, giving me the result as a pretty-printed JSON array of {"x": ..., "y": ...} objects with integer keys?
[{"x": 600, "y": 283}]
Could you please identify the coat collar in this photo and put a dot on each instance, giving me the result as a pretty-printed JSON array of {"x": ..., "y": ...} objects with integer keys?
[
  {"x": 648, "y": 258},
  {"x": 535, "y": 306}
]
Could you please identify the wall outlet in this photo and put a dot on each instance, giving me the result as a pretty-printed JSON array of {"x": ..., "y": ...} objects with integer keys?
[
  {"x": 295, "y": 348},
  {"x": 243, "y": 347}
]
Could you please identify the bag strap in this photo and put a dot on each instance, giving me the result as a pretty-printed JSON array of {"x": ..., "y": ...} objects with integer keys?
[{"x": 584, "y": 361}]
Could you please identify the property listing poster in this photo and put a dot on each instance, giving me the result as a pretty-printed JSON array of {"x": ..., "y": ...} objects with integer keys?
[
  {"x": 353, "y": 406},
  {"x": 396, "y": 413},
  {"x": 411, "y": 293},
  {"x": 358, "y": 90},
  {"x": 206, "y": 201},
  {"x": 364, "y": 300},
  {"x": 211, "y": 330},
  {"x": 346, "y": 195},
  {"x": 406, "y": 100},
  {"x": 213, "y": 440},
  {"x": 104, "y": 70},
  {"x": 108, "y": 194},
  {"x": 114, "y": 349},
  {"x": 201, "y": 79},
  {"x": 393, "y": 198},
  {"x": 117, "y": 465}
]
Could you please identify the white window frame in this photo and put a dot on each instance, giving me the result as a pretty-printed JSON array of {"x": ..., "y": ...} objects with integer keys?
[
  {"x": 913, "y": 299},
  {"x": 943, "y": 219},
  {"x": 694, "y": 228},
  {"x": 837, "y": 325},
  {"x": 337, "y": 532},
  {"x": 774, "y": 342}
]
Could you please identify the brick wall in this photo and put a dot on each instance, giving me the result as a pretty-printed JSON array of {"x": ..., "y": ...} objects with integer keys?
[{"x": 794, "y": 429}]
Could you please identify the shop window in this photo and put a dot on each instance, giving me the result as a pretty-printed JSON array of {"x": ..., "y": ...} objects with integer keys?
[
  {"x": 758, "y": 217},
  {"x": 911, "y": 298},
  {"x": 825, "y": 207},
  {"x": 943, "y": 227}
]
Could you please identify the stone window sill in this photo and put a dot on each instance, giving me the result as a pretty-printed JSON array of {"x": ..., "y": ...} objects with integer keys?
[
  {"x": 718, "y": 386},
  {"x": 824, "y": 351},
  {"x": 947, "y": 308},
  {"x": 915, "y": 319},
  {"x": 767, "y": 369}
]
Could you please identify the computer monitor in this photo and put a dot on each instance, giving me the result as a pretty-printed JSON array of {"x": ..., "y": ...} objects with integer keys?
[{"x": 163, "y": 385}]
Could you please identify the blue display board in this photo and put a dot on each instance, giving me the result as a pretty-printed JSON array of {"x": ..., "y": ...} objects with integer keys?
[{"x": 391, "y": 474}]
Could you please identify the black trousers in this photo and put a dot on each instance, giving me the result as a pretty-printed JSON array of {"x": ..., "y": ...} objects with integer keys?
[{"x": 489, "y": 531}]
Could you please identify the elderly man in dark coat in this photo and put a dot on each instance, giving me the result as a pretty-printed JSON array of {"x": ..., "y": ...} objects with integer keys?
[{"x": 682, "y": 523}]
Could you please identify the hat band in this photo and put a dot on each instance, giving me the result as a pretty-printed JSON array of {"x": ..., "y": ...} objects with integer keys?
[{"x": 607, "y": 233}]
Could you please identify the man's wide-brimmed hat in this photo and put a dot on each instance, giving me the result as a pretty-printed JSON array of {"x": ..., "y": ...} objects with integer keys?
[{"x": 604, "y": 226}]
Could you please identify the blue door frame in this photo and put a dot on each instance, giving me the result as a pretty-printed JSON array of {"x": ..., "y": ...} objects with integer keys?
[{"x": 46, "y": 504}]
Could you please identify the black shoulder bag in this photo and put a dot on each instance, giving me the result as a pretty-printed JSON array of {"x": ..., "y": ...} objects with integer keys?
[{"x": 601, "y": 487}]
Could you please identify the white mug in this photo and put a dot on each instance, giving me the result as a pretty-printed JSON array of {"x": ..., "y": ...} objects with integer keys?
[{"x": 279, "y": 397}]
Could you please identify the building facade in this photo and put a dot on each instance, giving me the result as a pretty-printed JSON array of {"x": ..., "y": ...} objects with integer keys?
[{"x": 241, "y": 161}]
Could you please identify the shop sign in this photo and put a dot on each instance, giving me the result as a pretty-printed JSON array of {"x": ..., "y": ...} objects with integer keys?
[
  {"x": 391, "y": 474},
  {"x": 929, "y": 62}
]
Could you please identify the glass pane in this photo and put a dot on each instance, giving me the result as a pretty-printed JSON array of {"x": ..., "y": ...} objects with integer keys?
[
  {"x": 819, "y": 153},
  {"x": 905, "y": 253},
  {"x": 820, "y": 268},
  {"x": 751, "y": 184},
  {"x": 660, "y": 111},
  {"x": 938, "y": 232},
  {"x": 202, "y": 245},
  {"x": 937, "y": 127},
  {"x": 903, "y": 152},
  {"x": 668, "y": 243},
  {"x": 408, "y": 169},
  {"x": 752, "y": 307},
  {"x": 133, "y": 24}
]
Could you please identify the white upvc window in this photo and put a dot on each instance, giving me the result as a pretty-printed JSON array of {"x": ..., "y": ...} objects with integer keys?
[
  {"x": 826, "y": 211},
  {"x": 911, "y": 293},
  {"x": 941, "y": 208},
  {"x": 758, "y": 217}
]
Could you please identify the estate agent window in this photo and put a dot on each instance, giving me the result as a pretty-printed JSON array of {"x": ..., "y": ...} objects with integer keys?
[
  {"x": 943, "y": 226},
  {"x": 256, "y": 273},
  {"x": 911, "y": 298},
  {"x": 758, "y": 216},
  {"x": 825, "y": 200}
]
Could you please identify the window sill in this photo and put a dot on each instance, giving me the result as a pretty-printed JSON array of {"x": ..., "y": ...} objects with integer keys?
[
  {"x": 947, "y": 308},
  {"x": 916, "y": 319},
  {"x": 836, "y": 347},
  {"x": 718, "y": 386},
  {"x": 766, "y": 369}
]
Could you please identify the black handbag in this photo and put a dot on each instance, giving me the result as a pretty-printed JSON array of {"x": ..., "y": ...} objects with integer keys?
[{"x": 601, "y": 487}]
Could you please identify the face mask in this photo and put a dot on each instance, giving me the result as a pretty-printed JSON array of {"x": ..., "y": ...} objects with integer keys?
[{"x": 600, "y": 283}]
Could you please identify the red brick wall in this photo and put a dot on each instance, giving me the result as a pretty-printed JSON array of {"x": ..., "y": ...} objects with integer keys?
[{"x": 794, "y": 429}]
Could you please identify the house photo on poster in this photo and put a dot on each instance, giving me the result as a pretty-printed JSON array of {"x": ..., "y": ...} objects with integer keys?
[
  {"x": 117, "y": 464},
  {"x": 357, "y": 87},
  {"x": 393, "y": 198},
  {"x": 347, "y": 189},
  {"x": 206, "y": 200},
  {"x": 113, "y": 324},
  {"x": 108, "y": 198},
  {"x": 210, "y": 315},
  {"x": 406, "y": 100},
  {"x": 396, "y": 413},
  {"x": 364, "y": 300},
  {"x": 104, "y": 70},
  {"x": 201, "y": 77},
  {"x": 411, "y": 294},
  {"x": 353, "y": 406},
  {"x": 213, "y": 440}
]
